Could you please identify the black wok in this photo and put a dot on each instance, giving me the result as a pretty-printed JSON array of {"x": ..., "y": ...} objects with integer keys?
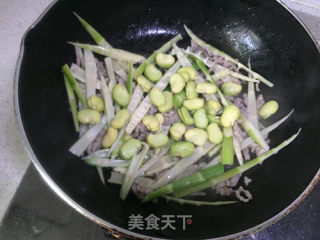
[{"x": 280, "y": 49}]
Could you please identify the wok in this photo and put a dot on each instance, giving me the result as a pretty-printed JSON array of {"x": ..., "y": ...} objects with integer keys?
[{"x": 280, "y": 48}]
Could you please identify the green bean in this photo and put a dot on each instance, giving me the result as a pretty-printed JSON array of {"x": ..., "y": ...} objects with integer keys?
[
  {"x": 181, "y": 149},
  {"x": 206, "y": 88},
  {"x": 89, "y": 116},
  {"x": 196, "y": 136},
  {"x": 229, "y": 115},
  {"x": 190, "y": 70},
  {"x": 164, "y": 48},
  {"x": 157, "y": 97},
  {"x": 120, "y": 95},
  {"x": 178, "y": 99},
  {"x": 191, "y": 92},
  {"x": 200, "y": 118},
  {"x": 185, "y": 116},
  {"x": 214, "y": 119},
  {"x": 157, "y": 140},
  {"x": 129, "y": 148},
  {"x": 152, "y": 73},
  {"x": 120, "y": 119},
  {"x": 109, "y": 137},
  {"x": 144, "y": 83},
  {"x": 167, "y": 106},
  {"x": 160, "y": 118},
  {"x": 186, "y": 182},
  {"x": 214, "y": 133},
  {"x": 177, "y": 83},
  {"x": 268, "y": 109},
  {"x": 164, "y": 60},
  {"x": 185, "y": 76},
  {"x": 96, "y": 103},
  {"x": 212, "y": 107},
  {"x": 151, "y": 122},
  {"x": 193, "y": 104},
  {"x": 231, "y": 88},
  {"x": 177, "y": 130}
]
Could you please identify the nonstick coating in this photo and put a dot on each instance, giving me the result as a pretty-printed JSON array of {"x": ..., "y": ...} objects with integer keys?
[{"x": 280, "y": 49}]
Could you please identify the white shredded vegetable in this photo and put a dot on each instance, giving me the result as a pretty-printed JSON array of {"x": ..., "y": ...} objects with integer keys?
[
  {"x": 145, "y": 105},
  {"x": 183, "y": 164},
  {"x": 83, "y": 143},
  {"x": 90, "y": 73},
  {"x": 109, "y": 67},
  {"x": 109, "y": 109}
]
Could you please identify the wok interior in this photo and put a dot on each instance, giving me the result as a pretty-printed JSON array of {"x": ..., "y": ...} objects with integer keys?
[{"x": 279, "y": 49}]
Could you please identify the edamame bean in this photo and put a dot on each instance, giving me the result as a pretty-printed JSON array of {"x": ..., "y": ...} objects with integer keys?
[
  {"x": 177, "y": 83},
  {"x": 206, "y": 88},
  {"x": 185, "y": 76},
  {"x": 178, "y": 99},
  {"x": 160, "y": 118},
  {"x": 151, "y": 122},
  {"x": 89, "y": 116},
  {"x": 231, "y": 88},
  {"x": 157, "y": 140},
  {"x": 129, "y": 148},
  {"x": 191, "y": 92},
  {"x": 194, "y": 104},
  {"x": 152, "y": 73},
  {"x": 120, "y": 119},
  {"x": 144, "y": 83},
  {"x": 157, "y": 97},
  {"x": 190, "y": 70},
  {"x": 120, "y": 95},
  {"x": 181, "y": 149},
  {"x": 164, "y": 60},
  {"x": 213, "y": 119},
  {"x": 185, "y": 116},
  {"x": 268, "y": 109},
  {"x": 200, "y": 118},
  {"x": 229, "y": 115},
  {"x": 177, "y": 130},
  {"x": 95, "y": 102},
  {"x": 212, "y": 107},
  {"x": 110, "y": 137},
  {"x": 196, "y": 136},
  {"x": 167, "y": 106},
  {"x": 221, "y": 74},
  {"x": 215, "y": 134}
]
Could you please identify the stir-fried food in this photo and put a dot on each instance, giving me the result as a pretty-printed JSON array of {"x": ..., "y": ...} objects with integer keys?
[{"x": 173, "y": 124}]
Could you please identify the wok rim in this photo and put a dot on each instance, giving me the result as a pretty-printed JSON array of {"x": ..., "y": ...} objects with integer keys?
[{"x": 113, "y": 229}]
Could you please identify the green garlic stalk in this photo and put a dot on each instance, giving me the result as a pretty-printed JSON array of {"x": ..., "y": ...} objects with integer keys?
[
  {"x": 227, "y": 152},
  {"x": 73, "y": 103},
  {"x": 117, "y": 54},
  {"x": 93, "y": 33},
  {"x": 216, "y": 51},
  {"x": 198, "y": 203},
  {"x": 73, "y": 83},
  {"x": 186, "y": 182},
  {"x": 237, "y": 170}
]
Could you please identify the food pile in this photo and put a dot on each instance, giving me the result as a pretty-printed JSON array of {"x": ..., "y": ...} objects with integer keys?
[{"x": 170, "y": 125}]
